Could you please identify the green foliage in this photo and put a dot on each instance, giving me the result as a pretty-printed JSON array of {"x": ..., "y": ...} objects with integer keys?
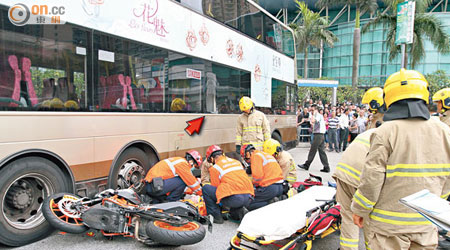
[
  {"x": 343, "y": 94},
  {"x": 437, "y": 80},
  {"x": 39, "y": 74},
  {"x": 310, "y": 29},
  {"x": 426, "y": 26}
]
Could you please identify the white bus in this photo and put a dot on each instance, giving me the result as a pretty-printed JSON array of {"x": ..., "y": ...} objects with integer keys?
[{"x": 95, "y": 102}]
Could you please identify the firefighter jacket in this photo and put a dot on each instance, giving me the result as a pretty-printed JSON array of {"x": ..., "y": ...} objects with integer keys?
[
  {"x": 288, "y": 166},
  {"x": 405, "y": 157},
  {"x": 265, "y": 169},
  {"x": 173, "y": 167},
  {"x": 352, "y": 161},
  {"x": 253, "y": 128},
  {"x": 230, "y": 178},
  {"x": 205, "y": 177},
  {"x": 445, "y": 118},
  {"x": 376, "y": 117}
]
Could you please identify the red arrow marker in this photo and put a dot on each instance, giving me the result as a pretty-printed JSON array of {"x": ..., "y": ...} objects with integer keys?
[{"x": 194, "y": 125}]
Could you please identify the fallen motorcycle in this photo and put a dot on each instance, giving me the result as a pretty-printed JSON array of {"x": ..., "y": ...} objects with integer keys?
[{"x": 122, "y": 212}]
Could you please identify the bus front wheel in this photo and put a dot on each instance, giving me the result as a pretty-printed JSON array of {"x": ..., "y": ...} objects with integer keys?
[
  {"x": 24, "y": 184},
  {"x": 129, "y": 169}
]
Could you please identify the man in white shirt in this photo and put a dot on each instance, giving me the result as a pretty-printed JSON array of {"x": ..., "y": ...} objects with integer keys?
[
  {"x": 343, "y": 129},
  {"x": 318, "y": 142}
]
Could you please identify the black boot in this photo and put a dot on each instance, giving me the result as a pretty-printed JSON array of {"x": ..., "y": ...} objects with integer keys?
[{"x": 303, "y": 166}]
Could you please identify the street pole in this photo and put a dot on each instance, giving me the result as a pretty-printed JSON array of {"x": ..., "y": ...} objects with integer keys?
[{"x": 403, "y": 47}]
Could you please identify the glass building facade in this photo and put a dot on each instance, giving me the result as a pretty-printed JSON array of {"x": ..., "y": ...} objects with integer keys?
[{"x": 374, "y": 64}]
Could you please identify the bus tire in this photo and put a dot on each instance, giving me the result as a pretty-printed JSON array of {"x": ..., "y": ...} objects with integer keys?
[
  {"x": 130, "y": 155},
  {"x": 24, "y": 184},
  {"x": 277, "y": 137}
]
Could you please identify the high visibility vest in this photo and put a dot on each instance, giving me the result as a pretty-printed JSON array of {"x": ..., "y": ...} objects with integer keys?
[
  {"x": 230, "y": 178},
  {"x": 265, "y": 169},
  {"x": 174, "y": 167}
]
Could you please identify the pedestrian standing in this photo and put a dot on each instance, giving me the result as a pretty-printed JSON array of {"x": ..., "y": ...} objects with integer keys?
[
  {"x": 333, "y": 123},
  {"x": 353, "y": 126},
  {"x": 318, "y": 143},
  {"x": 343, "y": 130}
]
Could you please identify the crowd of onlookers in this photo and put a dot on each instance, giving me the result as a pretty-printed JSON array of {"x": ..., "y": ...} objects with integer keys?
[{"x": 343, "y": 122}]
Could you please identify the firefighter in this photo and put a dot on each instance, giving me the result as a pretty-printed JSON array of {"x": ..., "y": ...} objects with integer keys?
[
  {"x": 252, "y": 126},
  {"x": 348, "y": 172},
  {"x": 408, "y": 153},
  {"x": 442, "y": 98},
  {"x": 167, "y": 179},
  {"x": 374, "y": 98},
  {"x": 204, "y": 169},
  {"x": 284, "y": 159},
  {"x": 230, "y": 186},
  {"x": 266, "y": 174}
]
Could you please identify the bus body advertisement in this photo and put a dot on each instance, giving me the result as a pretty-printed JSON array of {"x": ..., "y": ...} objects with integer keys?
[{"x": 93, "y": 103}]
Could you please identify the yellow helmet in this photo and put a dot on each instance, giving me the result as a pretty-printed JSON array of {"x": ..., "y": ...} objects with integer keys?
[
  {"x": 271, "y": 146},
  {"x": 444, "y": 96},
  {"x": 373, "y": 97},
  {"x": 405, "y": 84},
  {"x": 56, "y": 103},
  {"x": 71, "y": 104},
  {"x": 177, "y": 105},
  {"x": 245, "y": 103}
]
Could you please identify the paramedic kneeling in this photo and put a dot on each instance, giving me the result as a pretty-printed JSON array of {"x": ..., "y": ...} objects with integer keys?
[
  {"x": 230, "y": 186},
  {"x": 266, "y": 173},
  {"x": 171, "y": 176}
]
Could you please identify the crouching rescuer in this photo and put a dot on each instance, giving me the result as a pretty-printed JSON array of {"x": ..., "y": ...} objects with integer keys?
[
  {"x": 284, "y": 159},
  {"x": 167, "y": 179},
  {"x": 267, "y": 176},
  {"x": 229, "y": 186}
]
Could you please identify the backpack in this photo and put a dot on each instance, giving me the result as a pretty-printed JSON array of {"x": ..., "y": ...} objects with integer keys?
[{"x": 325, "y": 220}]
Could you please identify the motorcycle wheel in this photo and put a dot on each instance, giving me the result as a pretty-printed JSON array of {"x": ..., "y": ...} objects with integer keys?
[
  {"x": 60, "y": 215},
  {"x": 187, "y": 234}
]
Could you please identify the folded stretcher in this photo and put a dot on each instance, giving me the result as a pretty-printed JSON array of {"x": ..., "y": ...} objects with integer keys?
[{"x": 295, "y": 219}]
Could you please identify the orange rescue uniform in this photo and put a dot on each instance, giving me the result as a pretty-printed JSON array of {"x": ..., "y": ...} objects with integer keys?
[
  {"x": 265, "y": 169},
  {"x": 230, "y": 178},
  {"x": 174, "y": 167}
]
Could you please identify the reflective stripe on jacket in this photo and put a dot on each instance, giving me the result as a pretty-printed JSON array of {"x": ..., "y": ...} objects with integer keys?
[
  {"x": 352, "y": 161},
  {"x": 253, "y": 128},
  {"x": 405, "y": 157},
  {"x": 265, "y": 169},
  {"x": 172, "y": 167},
  {"x": 230, "y": 178},
  {"x": 288, "y": 166}
]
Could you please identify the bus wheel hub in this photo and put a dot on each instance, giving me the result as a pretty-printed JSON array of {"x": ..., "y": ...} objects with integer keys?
[
  {"x": 131, "y": 173},
  {"x": 19, "y": 198}
]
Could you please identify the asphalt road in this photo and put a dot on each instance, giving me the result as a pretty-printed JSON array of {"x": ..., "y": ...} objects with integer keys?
[{"x": 217, "y": 240}]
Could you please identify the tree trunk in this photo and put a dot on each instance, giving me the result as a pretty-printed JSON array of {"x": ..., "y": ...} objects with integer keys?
[
  {"x": 305, "y": 65},
  {"x": 356, "y": 48}
]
